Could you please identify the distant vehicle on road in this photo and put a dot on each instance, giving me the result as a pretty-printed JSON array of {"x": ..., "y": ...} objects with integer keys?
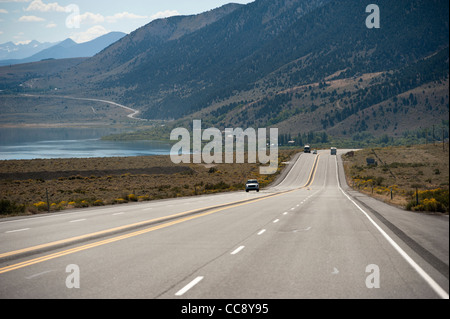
[
  {"x": 333, "y": 151},
  {"x": 252, "y": 185},
  {"x": 307, "y": 149},
  {"x": 315, "y": 152}
]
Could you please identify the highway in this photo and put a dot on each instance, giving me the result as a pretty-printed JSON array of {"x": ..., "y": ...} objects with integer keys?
[{"x": 307, "y": 237}]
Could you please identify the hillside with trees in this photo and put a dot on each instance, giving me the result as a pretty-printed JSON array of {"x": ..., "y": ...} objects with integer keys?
[{"x": 299, "y": 65}]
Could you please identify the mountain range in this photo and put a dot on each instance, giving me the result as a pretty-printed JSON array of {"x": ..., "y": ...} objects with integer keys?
[
  {"x": 63, "y": 50},
  {"x": 10, "y": 50},
  {"x": 299, "y": 65}
]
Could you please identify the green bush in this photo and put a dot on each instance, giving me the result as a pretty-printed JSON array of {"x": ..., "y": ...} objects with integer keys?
[
  {"x": 9, "y": 208},
  {"x": 221, "y": 186},
  {"x": 81, "y": 204}
]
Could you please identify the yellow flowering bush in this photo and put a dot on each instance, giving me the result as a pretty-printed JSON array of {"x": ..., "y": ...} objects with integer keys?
[
  {"x": 143, "y": 198},
  {"x": 120, "y": 201},
  {"x": 132, "y": 198},
  {"x": 99, "y": 202},
  {"x": 41, "y": 206},
  {"x": 435, "y": 200}
]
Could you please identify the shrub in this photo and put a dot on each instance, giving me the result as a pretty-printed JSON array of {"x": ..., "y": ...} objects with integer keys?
[
  {"x": 221, "y": 185},
  {"x": 432, "y": 205},
  {"x": 41, "y": 206},
  {"x": 61, "y": 206},
  {"x": 143, "y": 198},
  {"x": 132, "y": 198},
  {"x": 368, "y": 180},
  {"x": 81, "y": 204},
  {"x": 436, "y": 200},
  {"x": 99, "y": 202},
  {"x": 120, "y": 201},
  {"x": 212, "y": 170},
  {"x": 7, "y": 208}
]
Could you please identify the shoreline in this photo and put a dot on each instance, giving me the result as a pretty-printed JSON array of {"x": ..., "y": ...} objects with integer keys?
[
  {"x": 61, "y": 125},
  {"x": 90, "y": 182}
]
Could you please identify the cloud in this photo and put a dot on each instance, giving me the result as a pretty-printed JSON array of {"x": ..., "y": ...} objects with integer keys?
[
  {"x": 31, "y": 19},
  {"x": 51, "y": 25},
  {"x": 90, "y": 34},
  {"x": 96, "y": 18},
  {"x": 164, "y": 14},
  {"x": 24, "y": 42},
  {"x": 38, "y": 5},
  {"x": 3, "y": 11},
  {"x": 124, "y": 15},
  {"x": 90, "y": 17}
]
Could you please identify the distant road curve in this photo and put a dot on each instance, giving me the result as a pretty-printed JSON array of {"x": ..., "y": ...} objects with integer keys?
[{"x": 133, "y": 115}]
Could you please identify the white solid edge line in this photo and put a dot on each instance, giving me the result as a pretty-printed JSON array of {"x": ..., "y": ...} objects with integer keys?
[
  {"x": 189, "y": 286},
  {"x": 433, "y": 284}
]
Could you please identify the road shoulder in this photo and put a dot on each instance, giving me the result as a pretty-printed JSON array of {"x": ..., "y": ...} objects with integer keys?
[{"x": 426, "y": 235}]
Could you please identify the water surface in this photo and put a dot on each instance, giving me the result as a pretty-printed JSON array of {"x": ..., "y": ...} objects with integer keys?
[{"x": 46, "y": 143}]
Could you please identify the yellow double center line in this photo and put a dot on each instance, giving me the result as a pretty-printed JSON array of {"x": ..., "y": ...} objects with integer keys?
[{"x": 209, "y": 211}]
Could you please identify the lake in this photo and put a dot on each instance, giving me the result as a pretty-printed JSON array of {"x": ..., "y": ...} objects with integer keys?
[{"x": 46, "y": 143}]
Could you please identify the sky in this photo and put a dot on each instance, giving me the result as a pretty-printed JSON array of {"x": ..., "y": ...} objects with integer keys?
[{"x": 22, "y": 21}]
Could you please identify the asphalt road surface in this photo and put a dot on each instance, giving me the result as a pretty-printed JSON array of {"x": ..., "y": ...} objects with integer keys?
[{"x": 309, "y": 236}]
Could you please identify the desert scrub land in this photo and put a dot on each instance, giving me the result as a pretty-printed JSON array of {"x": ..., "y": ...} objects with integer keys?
[
  {"x": 418, "y": 175},
  {"x": 78, "y": 183}
]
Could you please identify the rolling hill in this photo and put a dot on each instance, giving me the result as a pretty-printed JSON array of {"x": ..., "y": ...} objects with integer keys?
[{"x": 295, "y": 64}]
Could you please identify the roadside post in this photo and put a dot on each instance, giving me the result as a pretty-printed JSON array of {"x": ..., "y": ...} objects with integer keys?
[{"x": 48, "y": 202}]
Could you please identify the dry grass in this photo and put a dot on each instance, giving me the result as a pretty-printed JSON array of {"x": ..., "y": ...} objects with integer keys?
[
  {"x": 23, "y": 111},
  {"x": 108, "y": 181},
  {"x": 400, "y": 169}
]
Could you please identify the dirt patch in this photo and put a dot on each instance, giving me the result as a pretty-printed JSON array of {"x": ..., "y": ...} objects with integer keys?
[
  {"x": 77, "y": 183},
  {"x": 94, "y": 173}
]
